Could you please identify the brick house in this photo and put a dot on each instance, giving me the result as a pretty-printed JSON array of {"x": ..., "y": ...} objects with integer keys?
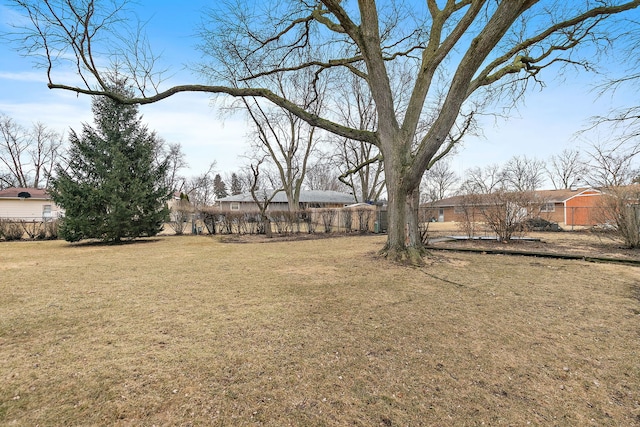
[{"x": 568, "y": 207}]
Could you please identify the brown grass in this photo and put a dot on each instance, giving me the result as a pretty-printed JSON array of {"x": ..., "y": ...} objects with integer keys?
[{"x": 194, "y": 331}]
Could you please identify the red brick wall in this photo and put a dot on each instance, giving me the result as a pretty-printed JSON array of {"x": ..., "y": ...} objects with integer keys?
[{"x": 583, "y": 209}]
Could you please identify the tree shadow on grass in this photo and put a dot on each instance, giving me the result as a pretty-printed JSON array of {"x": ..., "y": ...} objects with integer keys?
[{"x": 94, "y": 243}]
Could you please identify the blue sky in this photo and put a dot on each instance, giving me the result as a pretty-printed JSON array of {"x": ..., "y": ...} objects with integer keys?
[
  {"x": 543, "y": 125},
  {"x": 186, "y": 118}
]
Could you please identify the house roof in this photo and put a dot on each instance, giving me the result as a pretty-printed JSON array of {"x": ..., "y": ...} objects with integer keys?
[
  {"x": 20, "y": 193},
  {"x": 550, "y": 196},
  {"x": 311, "y": 196},
  {"x": 562, "y": 195}
]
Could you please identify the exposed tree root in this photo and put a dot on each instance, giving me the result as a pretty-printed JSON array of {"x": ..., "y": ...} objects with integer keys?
[{"x": 404, "y": 255}]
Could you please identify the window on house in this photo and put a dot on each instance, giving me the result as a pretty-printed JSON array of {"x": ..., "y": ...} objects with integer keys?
[
  {"x": 548, "y": 207},
  {"x": 458, "y": 209},
  {"x": 235, "y": 206},
  {"x": 46, "y": 211}
]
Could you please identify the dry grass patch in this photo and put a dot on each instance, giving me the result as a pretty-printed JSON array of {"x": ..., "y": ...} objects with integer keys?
[{"x": 193, "y": 331}]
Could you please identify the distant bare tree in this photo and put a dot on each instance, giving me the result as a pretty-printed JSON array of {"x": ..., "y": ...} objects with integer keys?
[
  {"x": 439, "y": 181},
  {"x": 524, "y": 173},
  {"x": 491, "y": 196},
  {"x": 612, "y": 162},
  {"x": 566, "y": 169},
  {"x": 200, "y": 188},
  {"x": 13, "y": 152},
  {"x": 27, "y": 157},
  {"x": 483, "y": 180},
  {"x": 288, "y": 141},
  {"x": 176, "y": 161},
  {"x": 364, "y": 172},
  {"x": 323, "y": 175},
  {"x": 470, "y": 214},
  {"x": 360, "y": 164}
]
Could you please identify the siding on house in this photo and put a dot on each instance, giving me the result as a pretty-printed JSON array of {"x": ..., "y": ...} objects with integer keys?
[
  {"x": 37, "y": 207},
  {"x": 308, "y": 199}
]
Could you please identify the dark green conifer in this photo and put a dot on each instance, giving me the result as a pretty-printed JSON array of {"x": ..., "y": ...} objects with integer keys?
[
  {"x": 111, "y": 188},
  {"x": 236, "y": 185},
  {"x": 219, "y": 187}
]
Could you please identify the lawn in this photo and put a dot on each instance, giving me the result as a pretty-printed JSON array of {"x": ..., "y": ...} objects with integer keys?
[{"x": 196, "y": 331}]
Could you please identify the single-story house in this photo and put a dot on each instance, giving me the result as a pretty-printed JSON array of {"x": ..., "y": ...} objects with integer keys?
[
  {"x": 308, "y": 199},
  {"x": 570, "y": 207},
  {"x": 28, "y": 204}
]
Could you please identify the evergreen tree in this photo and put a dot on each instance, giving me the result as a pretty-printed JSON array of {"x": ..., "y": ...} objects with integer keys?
[
  {"x": 111, "y": 188},
  {"x": 236, "y": 185},
  {"x": 219, "y": 187}
]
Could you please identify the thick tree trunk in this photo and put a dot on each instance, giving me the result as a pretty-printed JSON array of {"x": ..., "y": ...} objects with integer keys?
[
  {"x": 413, "y": 229},
  {"x": 403, "y": 239},
  {"x": 267, "y": 225}
]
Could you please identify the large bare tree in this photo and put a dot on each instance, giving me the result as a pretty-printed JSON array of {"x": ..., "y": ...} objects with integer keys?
[
  {"x": 359, "y": 162},
  {"x": 288, "y": 141},
  {"x": 462, "y": 55}
]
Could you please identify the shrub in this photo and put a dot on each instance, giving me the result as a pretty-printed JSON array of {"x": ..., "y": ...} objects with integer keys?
[
  {"x": 250, "y": 223},
  {"x": 209, "y": 217},
  {"x": 230, "y": 222},
  {"x": 364, "y": 217},
  {"x": 424, "y": 220},
  {"x": 470, "y": 213},
  {"x": 347, "y": 219},
  {"x": 619, "y": 212},
  {"x": 51, "y": 229},
  {"x": 180, "y": 213},
  {"x": 311, "y": 226},
  {"x": 506, "y": 212},
  {"x": 328, "y": 216},
  {"x": 10, "y": 230},
  {"x": 284, "y": 221},
  {"x": 33, "y": 229}
]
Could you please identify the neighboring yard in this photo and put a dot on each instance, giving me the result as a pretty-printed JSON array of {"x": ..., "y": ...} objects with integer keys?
[
  {"x": 580, "y": 243},
  {"x": 194, "y": 331}
]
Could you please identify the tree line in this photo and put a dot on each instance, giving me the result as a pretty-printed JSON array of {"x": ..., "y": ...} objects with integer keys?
[{"x": 600, "y": 165}]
